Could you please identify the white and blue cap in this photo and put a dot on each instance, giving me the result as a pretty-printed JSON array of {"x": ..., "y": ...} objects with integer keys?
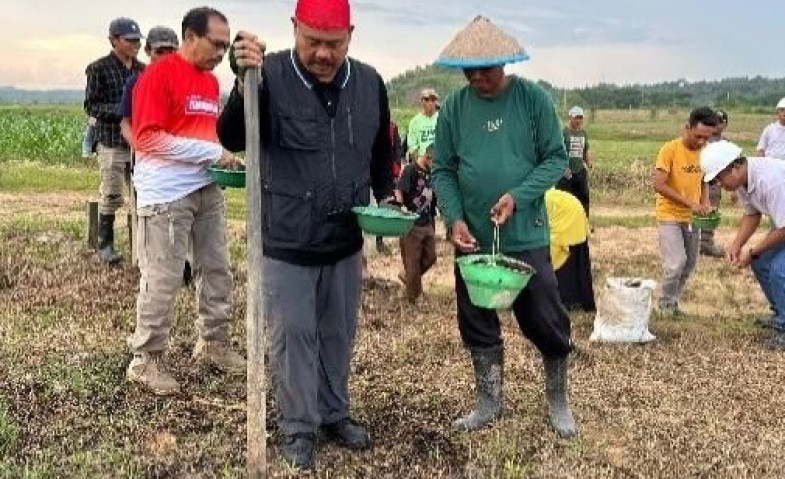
[
  {"x": 481, "y": 44},
  {"x": 576, "y": 111}
]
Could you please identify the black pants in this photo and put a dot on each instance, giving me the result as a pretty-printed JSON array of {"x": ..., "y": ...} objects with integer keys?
[
  {"x": 538, "y": 310},
  {"x": 578, "y": 186},
  {"x": 575, "y": 280}
]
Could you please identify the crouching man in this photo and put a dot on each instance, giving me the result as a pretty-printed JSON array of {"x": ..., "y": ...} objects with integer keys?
[{"x": 760, "y": 184}]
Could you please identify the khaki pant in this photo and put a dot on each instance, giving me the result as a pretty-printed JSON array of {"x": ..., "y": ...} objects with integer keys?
[
  {"x": 418, "y": 252},
  {"x": 163, "y": 237},
  {"x": 115, "y": 172},
  {"x": 679, "y": 249}
]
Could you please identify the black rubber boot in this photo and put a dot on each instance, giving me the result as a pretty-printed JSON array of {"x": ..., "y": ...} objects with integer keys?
[
  {"x": 559, "y": 412},
  {"x": 106, "y": 251},
  {"x": 489, "y": 379},
  {"x": 708, "y": 247}
]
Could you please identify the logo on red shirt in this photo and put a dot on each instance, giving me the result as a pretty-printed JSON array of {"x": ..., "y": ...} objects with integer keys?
[{"x": 199, "y": 105}]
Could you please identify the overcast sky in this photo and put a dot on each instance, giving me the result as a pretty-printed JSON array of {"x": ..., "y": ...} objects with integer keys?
[{"x": 47, "y": 43}]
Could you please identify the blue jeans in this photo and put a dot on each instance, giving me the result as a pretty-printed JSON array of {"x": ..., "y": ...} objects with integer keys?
[{"x": 769, "y": 270}]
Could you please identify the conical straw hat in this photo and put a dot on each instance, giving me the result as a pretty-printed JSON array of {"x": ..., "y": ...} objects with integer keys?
[{"x": 481, "y": 44}]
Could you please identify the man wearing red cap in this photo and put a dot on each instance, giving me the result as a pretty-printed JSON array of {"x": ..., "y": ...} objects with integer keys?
[{"x": 324, "y": 130}]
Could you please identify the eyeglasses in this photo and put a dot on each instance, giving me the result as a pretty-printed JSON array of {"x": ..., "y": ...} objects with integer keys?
[{"x": 218, "y": 44}]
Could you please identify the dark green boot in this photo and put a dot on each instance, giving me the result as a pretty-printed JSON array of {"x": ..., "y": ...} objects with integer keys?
[
  {"x": 489, "y": 378},
  {"x": 559, "y": 412},
  {"x": 106, "y": 251}
]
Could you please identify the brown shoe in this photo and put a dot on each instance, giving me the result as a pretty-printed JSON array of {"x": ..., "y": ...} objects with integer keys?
[
  {"x": 218, "y": 354},
  {"x": 149, "y": 371}
]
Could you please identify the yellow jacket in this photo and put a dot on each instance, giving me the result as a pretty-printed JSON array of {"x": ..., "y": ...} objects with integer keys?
[{"x": 567, "y": 222}]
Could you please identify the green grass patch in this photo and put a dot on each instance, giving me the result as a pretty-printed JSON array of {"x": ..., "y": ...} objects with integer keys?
[
  {"x": 39, "y": 178},
  {"x": 9, "y": 430},
  {"x": 235, "y": 204},
  {"x": 96, "y": 376},
  {"x": 9, "y": 470}
]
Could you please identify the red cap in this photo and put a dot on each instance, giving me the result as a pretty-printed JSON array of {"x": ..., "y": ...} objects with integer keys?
[{"x": 327, "y": 15}]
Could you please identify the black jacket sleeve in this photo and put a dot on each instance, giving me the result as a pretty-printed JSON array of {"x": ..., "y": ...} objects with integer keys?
[
  {"x": 381, "y": 161},
  {"x": 231, "y": 123},
  {"x": 95, "y": 101}
]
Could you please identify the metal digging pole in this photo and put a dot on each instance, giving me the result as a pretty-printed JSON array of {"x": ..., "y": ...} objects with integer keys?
[{"x": 255, "y": 321}]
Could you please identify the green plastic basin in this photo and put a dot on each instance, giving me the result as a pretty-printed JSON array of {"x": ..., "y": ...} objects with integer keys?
[
  {"x": 378, "y": 221},
  {"x": 494, "y": 283},
  {"x": 228, "y": 178},
  {"x": 707, "y": 222}
]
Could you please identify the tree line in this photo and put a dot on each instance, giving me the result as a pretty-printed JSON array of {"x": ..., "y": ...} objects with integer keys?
[{"x": 751, "y": 93}]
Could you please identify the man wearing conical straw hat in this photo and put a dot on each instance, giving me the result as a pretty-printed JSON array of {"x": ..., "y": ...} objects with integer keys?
[{"x": 499, "y": 147}]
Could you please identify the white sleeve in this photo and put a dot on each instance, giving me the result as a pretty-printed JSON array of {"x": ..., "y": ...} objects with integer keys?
[
  {"x": 775, "y": 200},
  {"x": 763, "y": 143}
]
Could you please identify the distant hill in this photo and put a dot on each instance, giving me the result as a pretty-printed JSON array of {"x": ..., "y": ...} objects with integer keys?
[
  {"x": 756, "y": 93},
  {"x": 404, "y": 90},
  {"x": 13, "y": 95},
  {"x": 733, "y": 93}
]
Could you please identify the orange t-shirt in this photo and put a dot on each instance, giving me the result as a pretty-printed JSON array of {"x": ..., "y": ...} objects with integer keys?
[{"x": 684, "y": 176}]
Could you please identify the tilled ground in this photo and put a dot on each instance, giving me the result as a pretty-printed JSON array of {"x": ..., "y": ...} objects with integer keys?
[{"x": 704, "y": 400}]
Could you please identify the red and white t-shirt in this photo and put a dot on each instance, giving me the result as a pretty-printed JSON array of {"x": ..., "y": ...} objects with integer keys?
[{"x": 175, "y": 109}]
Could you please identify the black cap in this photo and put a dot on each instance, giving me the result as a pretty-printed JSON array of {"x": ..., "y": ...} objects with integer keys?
[
  {"x": 125, "y": 28},
  {"x": 159, "y": 37}
]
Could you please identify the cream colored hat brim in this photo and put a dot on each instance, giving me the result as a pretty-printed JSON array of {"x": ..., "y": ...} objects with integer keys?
[{"x": 481, "y": 44}]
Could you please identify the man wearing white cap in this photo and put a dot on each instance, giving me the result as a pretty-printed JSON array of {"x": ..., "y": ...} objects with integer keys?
[
  {"x": 772, "y": 141},
  {"x": 422, "y": 128},
  {"x": 760, "y": 184},
  {"x": 576, "y": 180},
  {"x": 499, "y": 148}
]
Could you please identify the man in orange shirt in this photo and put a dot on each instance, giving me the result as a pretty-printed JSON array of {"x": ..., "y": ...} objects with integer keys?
[{"x": 681, "y": 193}]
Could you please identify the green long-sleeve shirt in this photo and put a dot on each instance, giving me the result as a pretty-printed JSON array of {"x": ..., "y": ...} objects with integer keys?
[{"x": 486, "y": 148}]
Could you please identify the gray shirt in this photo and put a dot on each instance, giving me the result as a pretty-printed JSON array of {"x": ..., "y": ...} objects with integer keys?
[{"x": 765, "y": 190}]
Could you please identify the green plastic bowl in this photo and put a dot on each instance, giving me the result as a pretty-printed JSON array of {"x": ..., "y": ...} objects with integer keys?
[
  {"x": 228, "y": 178},
  {"x": 378, "y": 221},
  {"x": 707, "y": 222},
  {"x": 494, "y": 285}
]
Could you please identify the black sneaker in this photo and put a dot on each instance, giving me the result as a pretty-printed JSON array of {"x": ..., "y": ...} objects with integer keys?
[
  {"x": 348, "y": 433},
  {"x": 299, "y": 450}
]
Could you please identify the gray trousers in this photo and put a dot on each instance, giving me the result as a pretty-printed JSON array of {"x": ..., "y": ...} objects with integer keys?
[
  {"x": 312, "y": 313},
  {"x": 679, "y": 244}
]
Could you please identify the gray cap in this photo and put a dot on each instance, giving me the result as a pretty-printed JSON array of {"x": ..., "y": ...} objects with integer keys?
[
  {"x": 159, "y": 37},
  {"x": 125, "y": 28}
]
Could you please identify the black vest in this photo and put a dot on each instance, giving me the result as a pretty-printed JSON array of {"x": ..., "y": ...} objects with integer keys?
[{"x": 317, "y": 167}]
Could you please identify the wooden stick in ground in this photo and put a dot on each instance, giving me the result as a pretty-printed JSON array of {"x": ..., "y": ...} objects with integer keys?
[{"x": 255, "y": 327}]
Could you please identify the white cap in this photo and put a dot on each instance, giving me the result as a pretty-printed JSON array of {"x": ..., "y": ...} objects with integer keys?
[
  {"x": 576, "y": 111},
  {"x": 716, "y": 157},
  {"x": 781, "y": 104}
]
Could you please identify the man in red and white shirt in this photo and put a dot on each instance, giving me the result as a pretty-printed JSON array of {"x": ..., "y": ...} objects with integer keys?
[{"x": 175, "y": 110}]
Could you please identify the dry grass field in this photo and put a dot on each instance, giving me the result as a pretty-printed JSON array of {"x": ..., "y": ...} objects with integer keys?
[{"x": 705, "y": 399}]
